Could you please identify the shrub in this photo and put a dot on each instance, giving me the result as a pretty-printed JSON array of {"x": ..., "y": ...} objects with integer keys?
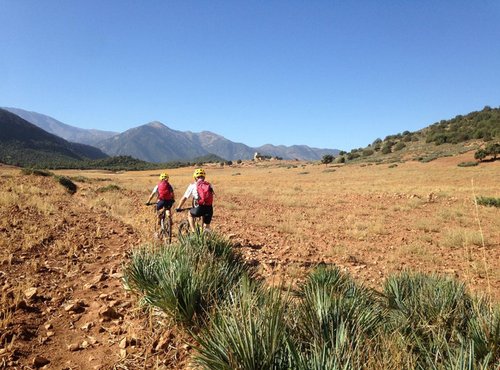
[
  {"x": 386, "y": 150},
  {"x": 110, "y": 187},
  {"x": 36, "y": 172},
  {"x": 467, "y": 164},
  {"x": 367, "y": 152},
  {"x": 80, "y": 178},
  {"x": 399, "y": 146},
  {"x": 335, "y": 321},
  {"x": 248, "y": 331},
  {"x": 67, "y": 183},
  {"x": 428, "y": 311},
  {"x": 428, "y": 159},
  {"x": 186, "y": 279},
  {"x": 327, "y": 158},
  {"x": 488, "y": 201},
  {"x": 352, "y": 155}
]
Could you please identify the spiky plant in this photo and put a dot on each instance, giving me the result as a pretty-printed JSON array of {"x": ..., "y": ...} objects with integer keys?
[
  {"x": 484, "y": 332},
  {"x": 335, "y": 318},
  {"x": 184, "y": 280},
  {"x": 248, "y": 331},
  {"x": 431, "y": 312}
]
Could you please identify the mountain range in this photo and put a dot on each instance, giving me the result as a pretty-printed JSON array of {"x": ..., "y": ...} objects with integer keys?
[
  {"x": 155, "y": 142},
  {"x": 67, "y": 132},
  {"x": 23, "y": 143}
]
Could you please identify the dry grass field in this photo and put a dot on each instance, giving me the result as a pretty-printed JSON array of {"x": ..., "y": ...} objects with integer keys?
[{"x": 61, "y": 255}]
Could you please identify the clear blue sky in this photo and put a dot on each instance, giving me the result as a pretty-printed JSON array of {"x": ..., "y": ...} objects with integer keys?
[{"x": 329, "y": 74}]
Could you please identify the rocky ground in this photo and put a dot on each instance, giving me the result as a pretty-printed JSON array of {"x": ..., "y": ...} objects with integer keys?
[
  {"x": 63, "y": 301},
  {"x": 64, "y": 304}
]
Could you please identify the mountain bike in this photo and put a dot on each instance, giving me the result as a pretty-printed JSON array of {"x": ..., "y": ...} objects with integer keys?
[
  {"x": 163, "y": 225},
  {"x": 184, "y": 229}
]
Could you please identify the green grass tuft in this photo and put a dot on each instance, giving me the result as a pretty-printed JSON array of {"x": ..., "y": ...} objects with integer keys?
[
  {"x": 488, "y": 201},
  {"x": 110, "y": 187}
]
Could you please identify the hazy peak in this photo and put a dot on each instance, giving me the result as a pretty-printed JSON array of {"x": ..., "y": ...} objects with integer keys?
[{"x": 156, "y": 124}]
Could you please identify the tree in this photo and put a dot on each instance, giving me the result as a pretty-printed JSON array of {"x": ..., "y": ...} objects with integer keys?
[
  {"x": 399, "y": 146},
  {"x": 493, "y": 149},
  {"x": 386, "y": 150},
  {"x": 327, "y": 158},
  {"x": 480, "y": 154}
]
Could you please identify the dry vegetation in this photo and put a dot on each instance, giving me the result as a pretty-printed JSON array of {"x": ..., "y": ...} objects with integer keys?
[{"x": 62, "y": 298}]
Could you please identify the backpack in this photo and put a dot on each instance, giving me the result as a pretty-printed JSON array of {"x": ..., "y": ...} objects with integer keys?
[
  {"x": 164, "y": 190},
  {"x": 205, "y": 193}
]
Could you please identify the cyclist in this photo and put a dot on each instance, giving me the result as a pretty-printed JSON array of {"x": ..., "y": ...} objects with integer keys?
[
  {"x": 202, "y": 193},
  {"x": 165, "y": 195}
]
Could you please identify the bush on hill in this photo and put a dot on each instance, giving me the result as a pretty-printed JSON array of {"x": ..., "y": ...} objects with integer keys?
[{"x": 483, "y": 125}]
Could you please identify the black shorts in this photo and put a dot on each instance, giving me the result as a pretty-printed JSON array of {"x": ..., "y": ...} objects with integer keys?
[
  {"x": 203, "y": 211},
  {"x": 167, "y": 204}
]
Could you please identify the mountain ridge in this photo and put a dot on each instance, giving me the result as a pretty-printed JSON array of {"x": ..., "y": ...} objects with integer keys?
[
  {"x": 67, "y": 132},
  {"x": 156, "y": 142},
  {"x": 23, "y": 143}
]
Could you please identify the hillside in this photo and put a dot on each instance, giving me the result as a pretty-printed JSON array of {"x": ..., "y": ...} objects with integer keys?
[
  {"x": 67, "y": 132},
  {"x": 458, "y": 135},
  {"x": 24, "y": 144}
]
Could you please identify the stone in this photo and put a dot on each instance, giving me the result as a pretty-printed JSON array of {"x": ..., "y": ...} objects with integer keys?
[
  {"x": 98, "y": 278},
  {"x": 40, "y": 361},
  {"x": 109, "y": 313},
  {"x": 92, "y": 340},
  {"x": 87, "y": 326},
  {"x": 30, "y": 293},
  {"x": 76, "y": 307}
]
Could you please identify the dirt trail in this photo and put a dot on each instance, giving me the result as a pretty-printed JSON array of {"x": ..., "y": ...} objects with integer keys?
[{"x": 67, "y": 308}]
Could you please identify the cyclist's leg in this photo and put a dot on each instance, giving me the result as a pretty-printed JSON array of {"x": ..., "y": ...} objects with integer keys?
[
  {"x": 191, "y": 221},
  {"x": 194, "y": 212},
  {"x": 207, "y": 217},
  {"x": 160, "y": 210},
  {"x": 168, "y": 213}
]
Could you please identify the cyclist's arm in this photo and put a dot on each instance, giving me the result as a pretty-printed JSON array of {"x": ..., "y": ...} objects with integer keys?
[
  {"x": 153, "y": 193},
  {"x": 150, "y": 198},
  {"x": 181, "y": 203},
  {"x": 187, "y": 194}
]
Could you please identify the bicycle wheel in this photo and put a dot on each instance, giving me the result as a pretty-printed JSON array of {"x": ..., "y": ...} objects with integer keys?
[
  {"x": 168, "y": 230},
  {"x": 183, "y": 230}
]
